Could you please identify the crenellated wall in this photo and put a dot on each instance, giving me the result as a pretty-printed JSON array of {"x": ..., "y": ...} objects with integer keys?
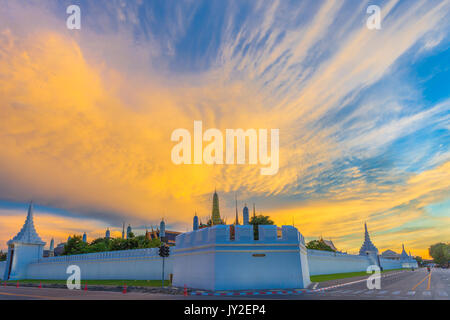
[
  {"x": 209, "y": 259},
  {"x": 139, "y": 264}
]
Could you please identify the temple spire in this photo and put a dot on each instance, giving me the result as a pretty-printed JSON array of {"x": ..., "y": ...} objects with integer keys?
[
  {"x": 215, "y": 217},
  {"x": 28, "y": 233},
  {"x": 368, "y": 246},
  {"x": 236, "y": 222}
]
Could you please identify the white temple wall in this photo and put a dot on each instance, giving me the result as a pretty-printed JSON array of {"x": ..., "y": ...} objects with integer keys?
[
  {"x": 2, "y": 268},
  {"x": 208, "y": 259},
  {"x": 139, "y": 264},
  {"x": 23, "y": 255},
  {"x": 327, "y": 262},
  {"x": 389, "y": 264}
]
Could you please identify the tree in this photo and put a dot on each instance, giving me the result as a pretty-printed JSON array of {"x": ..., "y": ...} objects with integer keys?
[
  {"x": 75, "y": 245},
  {"x": 440, "y": 252},
  {"x": 3, "y": 255},
  {"x": 259, "y": 220},
  {"x": 318, "y": 245},
  {"x": 419, "y": 260}
]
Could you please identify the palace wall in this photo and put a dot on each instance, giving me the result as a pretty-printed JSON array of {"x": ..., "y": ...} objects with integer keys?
[
  {"x": 2, "y": 268},
  {"x": 139, "y": 264},
  {"x": 211, "y": 259},
  {"x": 389, "y": 264},
  {"x": 327, "y": 262}
]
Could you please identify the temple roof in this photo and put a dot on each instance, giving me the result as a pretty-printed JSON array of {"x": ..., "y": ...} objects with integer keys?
[
  {"x": 390, "y": 253},
  {"x": 28, "y": 233},
  {"x": 330, "y": 244},
  {"x": 404, "y": 255},
  {"x": 367, "y": 246}
]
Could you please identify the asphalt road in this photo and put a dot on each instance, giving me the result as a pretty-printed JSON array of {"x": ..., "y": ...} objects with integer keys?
[{"x": 405, "y": 285}]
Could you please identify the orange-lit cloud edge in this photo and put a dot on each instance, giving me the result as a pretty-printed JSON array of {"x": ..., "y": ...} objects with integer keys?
[{"x": 80, "y": 133}]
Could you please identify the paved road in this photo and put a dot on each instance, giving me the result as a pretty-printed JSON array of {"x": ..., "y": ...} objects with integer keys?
[
  {"x": 405, "y": 285},
  {"x": 33, "y": 293}
]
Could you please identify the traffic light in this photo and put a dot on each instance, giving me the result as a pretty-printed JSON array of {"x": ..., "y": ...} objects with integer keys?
[{"x": 164, "y": 251}]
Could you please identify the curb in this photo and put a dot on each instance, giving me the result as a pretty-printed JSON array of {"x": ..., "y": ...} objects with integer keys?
[
  {"x": 170, "y": 291},
  {"x": 278, "y": 292},
  {"x": 251, "y": 293}
]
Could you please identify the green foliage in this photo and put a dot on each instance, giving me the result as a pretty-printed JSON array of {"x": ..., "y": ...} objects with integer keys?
[
  {"x": 77, "y": 246},
  {"x": 419, "y": 261},
  {"x": 318, "y": 245},
  {"x": 259, "y": 220},
  {"x": 335, "y": 276},
  {"x": 3, "y": 255},
  {"x": 440, "y": 252}
]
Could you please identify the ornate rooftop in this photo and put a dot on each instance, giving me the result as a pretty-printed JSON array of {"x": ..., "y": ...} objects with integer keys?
[
  {"x": 28, "y": 233},
  {"x": 367, "y": 246}
]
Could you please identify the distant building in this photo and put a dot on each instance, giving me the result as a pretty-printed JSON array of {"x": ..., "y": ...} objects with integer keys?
[
  {"x": 169, "y": 236},
  {"x": 129, "y": 231},
  {"x": 330, "y": 244},
  {"x": 245, "y": 215},
  {"x": 389, "y": 254},
  {"x": 59, "y": 250},
  {"x": 368, "y": 247},
  {"x": 215, "y": 216}
]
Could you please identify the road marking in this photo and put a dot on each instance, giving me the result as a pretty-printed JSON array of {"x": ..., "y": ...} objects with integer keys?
[
  {"x": 411, "y": 293},
  {"x": 426, "y": 293},
  {"x": 358, "y": 292},
  {"x": 382, "y": 292},
  {"x": 428, "y": 276},
  {"x": 429, "y": 282},
  {"x": 396, "y": 292},
  {"x": 443, "y": 294},
  {"x": 30, "y": 296},
  {"x": 315, "y": 286}
]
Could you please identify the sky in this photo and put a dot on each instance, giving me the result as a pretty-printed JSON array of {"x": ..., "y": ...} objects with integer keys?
[{"x": 86, "y": 115}]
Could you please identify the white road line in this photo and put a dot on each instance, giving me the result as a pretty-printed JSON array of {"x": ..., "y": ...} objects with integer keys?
[
  {"x": 382, "y": 292},
  {"x": 315, "y": 286},
  {"x": 411, "y": 293},
  {"x": 396, "y": 292},
  {"x": 426, "y": 293},
  {"x": 443, "y": 294}
]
